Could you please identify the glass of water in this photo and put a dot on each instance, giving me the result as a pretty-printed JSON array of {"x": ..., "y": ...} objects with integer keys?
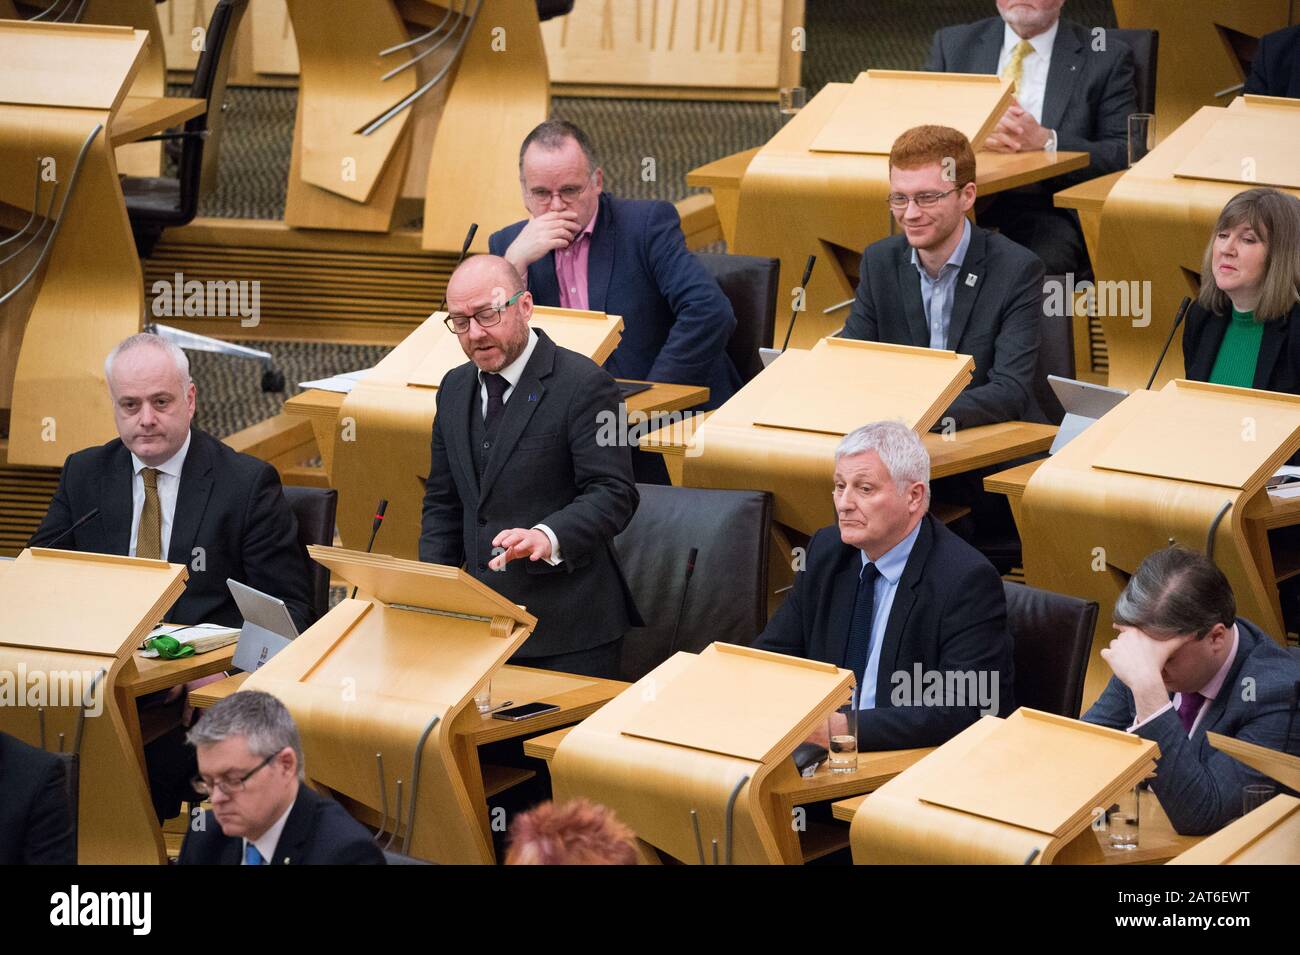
[
  {"x": 1252, "y": 797},
  {"x": 792, "y": 100},
  {"x": 1122, "y": 820},
  {"x": 483, "y": 698},
  {"x": 1141, "y": 135},
  {"x": 842, "y": 736}
]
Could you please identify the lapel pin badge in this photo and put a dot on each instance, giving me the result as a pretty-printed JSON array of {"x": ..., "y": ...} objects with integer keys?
[
  {"x": 532, "y": 396},
  {"x": 971, "y": 279}
]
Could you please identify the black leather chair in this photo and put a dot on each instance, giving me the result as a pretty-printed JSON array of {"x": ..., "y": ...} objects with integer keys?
[
  {"x": 315, "y": 508},
  {"x": 546, "y": 9},
  {"x": 751, "y": 284},
  {"x": 155, "y": 203},
  {"x": 1055, "y": 352},
  {"x": 1145, "y": 45},
  {"x": 1052, "y": 637},
  {"x": 727, "y": 597}
]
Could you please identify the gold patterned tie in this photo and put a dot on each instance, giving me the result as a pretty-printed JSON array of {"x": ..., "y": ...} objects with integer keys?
[
  {"x": 148, "y": 539},
  {"x": 1015, "y": 66}
]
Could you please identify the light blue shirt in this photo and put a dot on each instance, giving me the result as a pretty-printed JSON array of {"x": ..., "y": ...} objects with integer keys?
[
  {"x": 891, "y": 566},
  {"x": 937, "y": 294}
]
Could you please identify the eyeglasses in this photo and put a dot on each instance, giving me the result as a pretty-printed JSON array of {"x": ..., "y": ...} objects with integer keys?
[
  {"x": 567, "y": 194},
  {"x": 924, "y": 200},
  {"x": 486, "y": 318},
  {"x": 229, "y": 786}
]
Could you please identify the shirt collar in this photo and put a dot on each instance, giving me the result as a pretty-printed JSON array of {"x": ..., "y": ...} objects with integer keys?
[
  {"x": 171, "y": 466},
  {"x": 958, "y": 254},
  {"x": 572, "y": 247},
  {"x": 271, "y": 838},
  {"x": 893, "y": 561},
  {"x": 1211, "y": 689},
  {"x": 1042, "y": 43},
  {"x": 515, "y": 370}
]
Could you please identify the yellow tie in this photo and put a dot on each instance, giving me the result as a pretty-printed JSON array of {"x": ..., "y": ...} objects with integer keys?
[
  {"x": 148, "y": 539},
  {"x": 1015, "y": 65}
]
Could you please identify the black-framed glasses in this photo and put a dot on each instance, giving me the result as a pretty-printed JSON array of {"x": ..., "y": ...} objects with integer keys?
[
  {"x": 567, "y": 194},
  {"x": 485, "y": 318},
  {"x": 924, "y": 200},
  {"x": 229, "y": 786}
]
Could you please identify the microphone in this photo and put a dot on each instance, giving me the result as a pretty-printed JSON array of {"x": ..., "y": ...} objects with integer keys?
[
  {"x": 464, "y": 250},
  {"x": 681, "y": 607},
  {"x": 83, "y": 520},
  {"x": 794, "y": 312},
  {"x": 1178, "y": 320},
  {"x": 374, "y": 527}
]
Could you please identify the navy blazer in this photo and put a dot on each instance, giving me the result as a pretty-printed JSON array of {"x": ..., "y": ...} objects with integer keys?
[
  {"x": 1089, "y": 96},
  {"x": 35, "y": 816},
  {"x": 996, "y": 319},
  {"x": 229, "y": 504},
  {"x": 1200, "y": 786},
  {"x": 676, "y": 321},
  {"x": 949, "y": 615},
  {"x": 1278, "y": 366},
  {"x": 552, "y": 463},
  {"x": 1275, "y": 71},
  {"x": 318, "y": 832}
]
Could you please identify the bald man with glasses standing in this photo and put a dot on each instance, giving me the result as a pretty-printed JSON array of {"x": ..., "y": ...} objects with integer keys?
[{"x": 522, "y": 490}]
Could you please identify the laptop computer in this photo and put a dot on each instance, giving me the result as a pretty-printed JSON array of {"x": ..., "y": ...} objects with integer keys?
[
  {"x": 267, "y": 629},
  {"x": 1084, "y": 403}
]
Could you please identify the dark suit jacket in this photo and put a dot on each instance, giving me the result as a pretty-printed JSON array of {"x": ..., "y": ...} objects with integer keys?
[
  {"x": 318, "y": 832},
  {"x": 949, "y": 614},
  {"x": 1200, "y": 786},
  {"x": 1278, "y": 367},
  {"x": 549, "y": 465},
  {"x": 1089, "y": 95},
  {"x": 35, "y": 817},
  {"x": 676, "y": 321},
  {"x": 229, "y": 504},
  {"x": 995, "y": 321},
  {"x": 1275, "y": 71}
]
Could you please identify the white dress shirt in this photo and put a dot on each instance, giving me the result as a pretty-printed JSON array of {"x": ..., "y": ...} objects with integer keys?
[
  {"x": 269, "y": 839},
  {"x": 169, "y": 485},
  {"x": 512, "y": 373},
  {"x": 1033, "y": 71}
]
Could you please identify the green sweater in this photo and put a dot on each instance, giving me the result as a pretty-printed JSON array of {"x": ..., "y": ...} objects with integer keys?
[{"x": 1239, "y": 351}]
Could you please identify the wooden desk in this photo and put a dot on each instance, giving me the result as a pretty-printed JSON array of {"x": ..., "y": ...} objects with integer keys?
[
  {"x": 874, "y": 770},
  {"x": 141, "y": 116},
  {"x": 1091, "y": 362},
  {"x": 1157, "y": 841},
  {"x": 321, "y": 408}
]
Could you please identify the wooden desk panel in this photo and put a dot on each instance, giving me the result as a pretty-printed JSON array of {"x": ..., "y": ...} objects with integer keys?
[{"x": 141, "y": 116}]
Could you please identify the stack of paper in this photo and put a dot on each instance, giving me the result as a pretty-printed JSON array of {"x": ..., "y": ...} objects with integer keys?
[{"x": 202, "y": 637}]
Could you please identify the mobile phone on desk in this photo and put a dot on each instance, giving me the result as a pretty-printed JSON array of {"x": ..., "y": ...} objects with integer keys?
[{"x": 524, "y": 711}]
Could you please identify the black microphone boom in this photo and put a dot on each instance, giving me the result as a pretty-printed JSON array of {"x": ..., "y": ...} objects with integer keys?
[
  {"x": 464, "y": 250},
  {"x": 803, "y": 286},
  {"x": 1178, "y": 320},
  {"x": 59, "y": 539},
  {"x": 374, "y": 527}
]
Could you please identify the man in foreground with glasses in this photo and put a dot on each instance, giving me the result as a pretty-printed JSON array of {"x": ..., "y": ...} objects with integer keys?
[
  {"x": 583, "y": 248},
  {"x": 251, "y": 769},
  {"x": 945, "y": 283},
  {"x": 521, "y": 491}
]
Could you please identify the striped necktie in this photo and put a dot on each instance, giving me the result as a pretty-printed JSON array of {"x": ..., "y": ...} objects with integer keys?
[
  {"x": 148, "y": 539},
  {"x": 1015, "y": 66}
]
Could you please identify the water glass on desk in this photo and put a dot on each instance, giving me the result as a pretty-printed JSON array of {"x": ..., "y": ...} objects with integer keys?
[
  {"x": 842, "y": 739},
  {"x": 1254, "y": 796},
  {"x": 792, "y": 99},
  {"x": 483, "y": 698},
  {"x": 1141, "y": 135},
  {"x": 1122, "y": 819}
]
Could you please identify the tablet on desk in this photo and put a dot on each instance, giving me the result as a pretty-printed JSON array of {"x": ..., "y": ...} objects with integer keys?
[{"x": 267, "y": 629}]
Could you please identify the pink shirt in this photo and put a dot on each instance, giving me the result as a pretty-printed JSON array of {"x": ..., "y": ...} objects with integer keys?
[
  {"x": 1210, "y": 691},
  {"x": 571, "y": 268}
]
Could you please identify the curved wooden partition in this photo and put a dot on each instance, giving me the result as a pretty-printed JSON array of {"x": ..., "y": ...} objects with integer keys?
[{"x": 91, "y": 294}]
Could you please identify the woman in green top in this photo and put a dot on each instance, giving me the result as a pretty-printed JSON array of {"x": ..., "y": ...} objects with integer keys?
[{"x": 1244, "y": 328}]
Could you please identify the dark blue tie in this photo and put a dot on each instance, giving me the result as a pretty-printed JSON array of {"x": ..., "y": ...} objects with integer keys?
[
  {"x": 496, "y": 388},
  {"x": 859, "y": 647},
  {"x": 252, "y": 856}
]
